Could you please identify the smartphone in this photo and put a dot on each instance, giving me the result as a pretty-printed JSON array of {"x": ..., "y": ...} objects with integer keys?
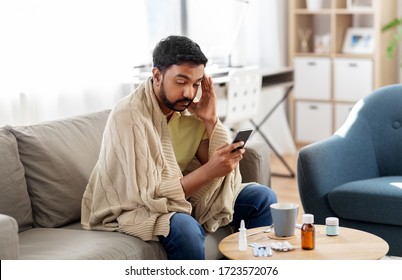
[{"x": 242, "y": 135}]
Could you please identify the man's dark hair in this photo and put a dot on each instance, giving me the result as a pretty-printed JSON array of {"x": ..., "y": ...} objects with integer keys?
[{"x": 176, "y": 50}]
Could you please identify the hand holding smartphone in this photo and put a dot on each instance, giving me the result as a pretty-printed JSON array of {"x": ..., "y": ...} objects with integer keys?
[{"x": 242, "y": 135}]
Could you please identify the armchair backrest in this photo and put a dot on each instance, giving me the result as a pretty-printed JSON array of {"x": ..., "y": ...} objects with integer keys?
[{"x": 377, "y": 120}]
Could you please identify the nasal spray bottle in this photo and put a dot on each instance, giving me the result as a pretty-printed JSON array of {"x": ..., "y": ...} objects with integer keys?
[{"x": 242, "y": 237}]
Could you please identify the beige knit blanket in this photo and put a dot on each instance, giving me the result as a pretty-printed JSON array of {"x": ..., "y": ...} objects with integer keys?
[{"x": 135, "y": 185}]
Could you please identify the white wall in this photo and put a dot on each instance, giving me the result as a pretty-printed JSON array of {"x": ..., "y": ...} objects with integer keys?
[
  {"x": 262, "y": 33},
  {"x": 262, "y": 41}
]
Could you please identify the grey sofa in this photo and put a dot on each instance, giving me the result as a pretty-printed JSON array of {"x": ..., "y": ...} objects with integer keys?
[
  {"x": 356, "y": 174},
  {"x": 44, "y": 169}
]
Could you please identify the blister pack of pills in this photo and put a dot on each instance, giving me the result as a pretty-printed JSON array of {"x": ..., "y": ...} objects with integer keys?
[
  {"x": 261, "y": 250},
  {"x": 282, "y": 246}
]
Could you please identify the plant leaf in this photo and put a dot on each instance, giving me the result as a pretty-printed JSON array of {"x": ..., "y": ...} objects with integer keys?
[{"x": 392, "y": 24}]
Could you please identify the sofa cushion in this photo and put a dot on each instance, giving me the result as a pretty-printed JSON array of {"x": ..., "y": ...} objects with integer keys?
[
  {"x": 58, "y": 158},
  {"x": 377, "y": 200},
  {"x": 44, "y": 243},
  {"x": 72, "y": 244},
  {"x": 14, "y": 199}
]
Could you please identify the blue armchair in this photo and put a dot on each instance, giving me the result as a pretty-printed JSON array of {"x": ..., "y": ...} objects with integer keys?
[{"x": 356, "y": 174}]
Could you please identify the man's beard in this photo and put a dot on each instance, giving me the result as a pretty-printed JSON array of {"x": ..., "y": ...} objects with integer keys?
[{"x": 167, "y": 103}]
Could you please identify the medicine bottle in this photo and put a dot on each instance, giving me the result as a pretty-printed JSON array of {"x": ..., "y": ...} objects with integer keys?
[
  {"x": 242, "y": 237},
  {"x": 332, "y": 226},
  {"x": 308, "y": 232}
]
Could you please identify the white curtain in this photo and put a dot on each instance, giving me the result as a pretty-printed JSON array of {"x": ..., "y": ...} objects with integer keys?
[{"x": 60, "y": 58}]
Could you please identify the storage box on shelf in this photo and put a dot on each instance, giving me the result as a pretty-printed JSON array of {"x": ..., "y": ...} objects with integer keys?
[
  {"x": 312, "y": 78},
  {"x": 314, "y": 120},
  {"x": 353, "y": 78},
  {"x": 327, "y": 78}
]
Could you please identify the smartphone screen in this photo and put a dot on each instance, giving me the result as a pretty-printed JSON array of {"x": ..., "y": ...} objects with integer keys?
[{"x": 242, "y": 135}]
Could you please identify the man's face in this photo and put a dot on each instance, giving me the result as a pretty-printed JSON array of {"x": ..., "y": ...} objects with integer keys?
[{"x": 178, "y": 86}]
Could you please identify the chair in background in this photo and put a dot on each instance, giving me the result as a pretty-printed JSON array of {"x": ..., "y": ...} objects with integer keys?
[
  {"x": 356, "y": 174},
  {"x": 243, "y": 102},
  {"x": 243, "y": 96}
]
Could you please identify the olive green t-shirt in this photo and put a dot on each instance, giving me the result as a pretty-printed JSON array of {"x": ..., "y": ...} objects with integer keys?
[{"x": 186, "y": 133}]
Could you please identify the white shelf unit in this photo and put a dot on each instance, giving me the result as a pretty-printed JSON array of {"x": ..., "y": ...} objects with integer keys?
[{"x": 328, "y": 82}]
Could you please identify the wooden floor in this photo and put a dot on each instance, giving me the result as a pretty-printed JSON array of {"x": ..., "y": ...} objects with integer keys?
[{"x": 285, "y": 188}]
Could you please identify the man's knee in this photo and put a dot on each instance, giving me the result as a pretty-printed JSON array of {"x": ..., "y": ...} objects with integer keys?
[
  {"x": 271, "y": 196},
  {"x": 186, "y": 238},
  {"x": 186, "y": 227},
  {"x": 261, "y": 194}
]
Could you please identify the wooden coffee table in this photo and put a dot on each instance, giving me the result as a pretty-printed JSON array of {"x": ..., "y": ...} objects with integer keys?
[{"x": 350, "y": 244}]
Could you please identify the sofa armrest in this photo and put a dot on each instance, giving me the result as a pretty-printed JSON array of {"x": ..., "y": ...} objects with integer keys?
[
  {"x": 255, "y": 165},
  {"x": 9, "y": 248}
]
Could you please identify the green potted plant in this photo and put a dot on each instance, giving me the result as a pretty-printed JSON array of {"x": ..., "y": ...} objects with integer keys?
[{"x": 396, "y": 26}]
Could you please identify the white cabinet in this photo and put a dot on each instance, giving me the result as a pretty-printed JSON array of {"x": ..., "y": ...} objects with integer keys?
[
  {"x": 353, "y": 78},
  {"x": 314, "y": 121},
  {"x": 312, "y": 78},
  {"x": 342, "y": 112}
]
